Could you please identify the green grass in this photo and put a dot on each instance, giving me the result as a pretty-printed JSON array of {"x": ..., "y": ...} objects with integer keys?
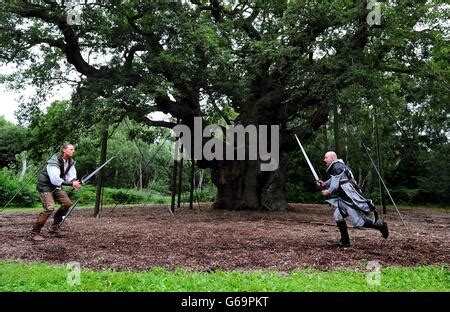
[{"x": 38, "y": 277}]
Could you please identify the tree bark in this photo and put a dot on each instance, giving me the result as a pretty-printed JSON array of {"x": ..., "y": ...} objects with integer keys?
[
  {"x": 200, "y": 181},
  {"x": 24, "y": 167},
  {"x": 337, "y": 136},
  {"x": 242, "y": 186},
  {"x": 380, "y": 168},
  {"x": 100, "y": 173},
  {"x": 173, "y": 183},
  {"x": 180, "y": 179},
  {"x": 325, "y": 138},
  {"x": 140, "y": 176},
  {"x": 191, "y": 185}
]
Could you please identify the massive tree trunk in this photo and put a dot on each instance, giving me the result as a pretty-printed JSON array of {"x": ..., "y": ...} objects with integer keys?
[{"x": 242, "y": 186}]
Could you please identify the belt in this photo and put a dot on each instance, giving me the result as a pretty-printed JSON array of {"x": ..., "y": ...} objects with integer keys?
[{"x": 345, "y": 181}]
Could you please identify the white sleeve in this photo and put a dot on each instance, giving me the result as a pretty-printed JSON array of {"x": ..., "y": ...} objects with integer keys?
[
  {"x": 54, "y": 174},
  {"x": 72, "y": 174}
]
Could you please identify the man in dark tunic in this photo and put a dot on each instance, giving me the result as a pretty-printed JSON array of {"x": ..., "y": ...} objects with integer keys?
[
  {"x": 58, "y": 172},
  {"x": 350, "y": 202}
]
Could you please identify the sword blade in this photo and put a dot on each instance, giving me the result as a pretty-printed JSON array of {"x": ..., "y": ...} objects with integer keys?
[
  {"x": 68, "y": 212},
  {"x": 84, "y": 180},
  {"x": 316, "y": 177}
]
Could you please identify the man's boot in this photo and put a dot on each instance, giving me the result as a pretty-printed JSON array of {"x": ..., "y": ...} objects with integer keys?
[
  {"x": 345, "y": 239},
  {"x": 53, "y": 230},
  {"x": 38, "y": 225},
  {"x": 379, "y": 225},
  {"x": 59, "y": 214}
]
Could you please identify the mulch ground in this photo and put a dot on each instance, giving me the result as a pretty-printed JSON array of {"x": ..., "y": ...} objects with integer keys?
[{"x": 141, "y": 237}]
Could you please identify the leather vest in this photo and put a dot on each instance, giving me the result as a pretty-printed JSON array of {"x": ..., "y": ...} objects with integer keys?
[{"x": 44, "y": 183}]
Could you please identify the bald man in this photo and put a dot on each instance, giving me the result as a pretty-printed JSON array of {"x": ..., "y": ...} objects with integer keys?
[{"x": 350, "y": 202}]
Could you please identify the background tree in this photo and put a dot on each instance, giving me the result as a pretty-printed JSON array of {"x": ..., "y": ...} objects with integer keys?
[
  {"x": 252, "y": 62},
  {"x": 13, "y": 140}
]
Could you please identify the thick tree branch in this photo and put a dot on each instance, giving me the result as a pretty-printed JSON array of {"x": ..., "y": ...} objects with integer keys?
[
  {"x": 218, "y": 110},
  {"x": 150, "y": 37},
  {"x": 167, "y": 106},
  {"x": 57, "y": 43},
  {"x": 218, "y": 12},
  {"x": 248, "y": 25},
  {"x": 71, "y": 47},
  {"x": 154, "y": 123},
  {"x": 129, "y": 55}
]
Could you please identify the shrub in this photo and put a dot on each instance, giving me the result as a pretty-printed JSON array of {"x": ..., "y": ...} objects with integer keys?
[
  {"x": 10, "y": 185},
  {"x": 207, "y": 194},
  {"x": 86, "y": 194},
  {"x": 405, "y": 195},
  {"x": 121, "y": 196},
  {"x": 297, "y": 193}
]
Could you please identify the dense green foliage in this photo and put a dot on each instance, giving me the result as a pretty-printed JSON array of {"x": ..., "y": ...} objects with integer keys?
[
  {"x": 143, "y": 156},
  {"x": 16, "y": 276},
  {"x": 28, "y": 197},
  {"x": 13, "y": 141},
  {"x": 316, "y": 68},
  {"x": 140, "y": 172},
  {"x": 113, "y": 196},
  {"x": 10, "y": 186}
]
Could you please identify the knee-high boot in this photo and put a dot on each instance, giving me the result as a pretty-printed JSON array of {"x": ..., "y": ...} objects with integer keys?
[
  {"x": 59, "y": 214},
  {"x": 379, "y": 225},
  {"x": 39, "y": 224},
  {"x": 345, "y": 239}
]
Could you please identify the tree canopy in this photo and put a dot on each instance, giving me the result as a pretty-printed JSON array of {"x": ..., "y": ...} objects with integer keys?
[{"x": 290, "y": 63}]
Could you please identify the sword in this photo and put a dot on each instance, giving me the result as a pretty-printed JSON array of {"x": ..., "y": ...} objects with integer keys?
[
  {"x": 87, "y": 178},
  {"x": 68, "y": 212},
  {"x": 316, "y": 177}
]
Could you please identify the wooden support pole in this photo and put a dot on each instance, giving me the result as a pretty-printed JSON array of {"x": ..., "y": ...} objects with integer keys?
[
  {"x": 173, "y": 185},
  {"x": 191, "y": 180},
  {"x": 380, "y": 166},
  {"x": 98, "y": 193},
  {"x": 180, "y": 178}
]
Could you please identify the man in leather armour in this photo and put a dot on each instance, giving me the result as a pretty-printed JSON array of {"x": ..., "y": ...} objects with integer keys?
[
  {"x": 350, "y": 201},
  {"x": 58, "y": 172}
]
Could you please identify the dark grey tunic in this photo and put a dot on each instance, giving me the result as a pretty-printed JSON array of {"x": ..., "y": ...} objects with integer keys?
[{"x": 350, "y": 202}]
